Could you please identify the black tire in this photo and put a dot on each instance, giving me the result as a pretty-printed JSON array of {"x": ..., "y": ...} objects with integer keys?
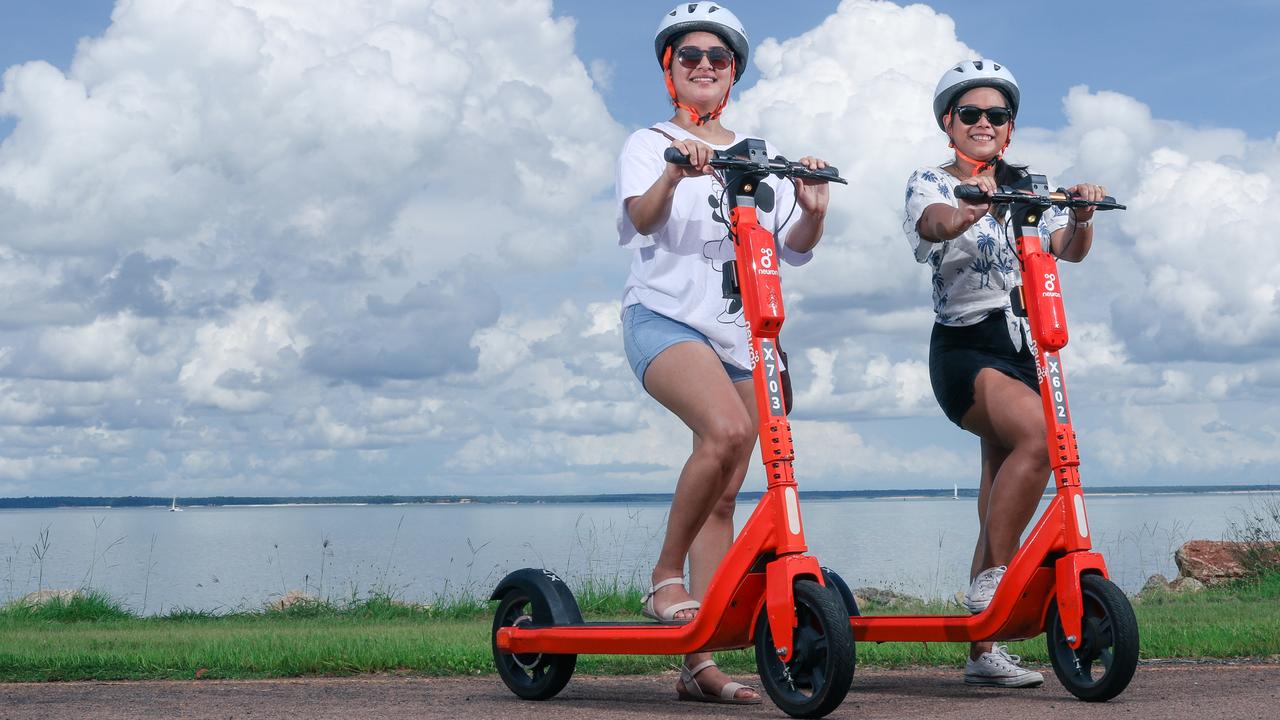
[
  {"x": 1103, "y": 666},
  {"x": 837, "y": 583},
  {"x": 530, "y": 676},
  {"x": 818, "y": 677}
]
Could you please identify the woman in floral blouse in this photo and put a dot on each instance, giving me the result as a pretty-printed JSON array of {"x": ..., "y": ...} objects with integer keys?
[{"x": 981, "y": 361}]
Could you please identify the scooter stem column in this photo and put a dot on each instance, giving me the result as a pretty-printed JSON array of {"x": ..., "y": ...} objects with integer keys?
[{"x": 1046, "y": 314}]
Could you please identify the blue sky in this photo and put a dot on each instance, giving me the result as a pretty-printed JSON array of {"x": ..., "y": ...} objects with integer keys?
[
  {"x": 1203, "y": 63},
  {"x": 265, "y": 248}
]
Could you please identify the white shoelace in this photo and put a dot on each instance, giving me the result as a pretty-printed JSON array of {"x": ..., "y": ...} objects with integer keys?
[
  {"x": 987, "y": 580},
  {"x": 1002, "y": 651}
]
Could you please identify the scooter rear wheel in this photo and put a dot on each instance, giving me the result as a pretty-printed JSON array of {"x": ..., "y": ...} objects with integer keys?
[
  {"x": 1108, "y": 654},
  {"x": 532, "y": 676},
  {"x": 818, "y": 677}
]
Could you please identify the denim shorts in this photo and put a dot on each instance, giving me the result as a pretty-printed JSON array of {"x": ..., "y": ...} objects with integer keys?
[{"x": 645, "y": 334}]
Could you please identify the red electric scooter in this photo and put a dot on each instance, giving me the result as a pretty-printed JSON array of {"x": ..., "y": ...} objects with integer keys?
[
  {"x": 766, "y": 591},
  {"x": 1055, "y": 583}
]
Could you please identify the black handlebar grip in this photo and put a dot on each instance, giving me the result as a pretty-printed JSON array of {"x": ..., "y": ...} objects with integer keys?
[
  {"x": 830, "y": 171},
  {"x": 969, "y": 192},
  {"x": 1106, "y": 199},
  {"x": 675, "y": 157}
]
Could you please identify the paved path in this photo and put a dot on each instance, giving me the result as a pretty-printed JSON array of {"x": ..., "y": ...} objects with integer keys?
[{"x": 1158, "y": 692}]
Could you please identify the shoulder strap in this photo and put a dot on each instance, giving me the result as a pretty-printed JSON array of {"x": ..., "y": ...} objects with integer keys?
[{"x": 663, "y": 133}]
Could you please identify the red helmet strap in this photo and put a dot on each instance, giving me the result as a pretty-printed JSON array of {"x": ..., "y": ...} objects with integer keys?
[
  {"x": 695, "y": 117},
  {"x": 978, "y": 165}
]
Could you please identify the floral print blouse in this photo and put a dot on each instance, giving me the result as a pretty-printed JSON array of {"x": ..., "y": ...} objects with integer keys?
[{"x": 973, "y": 273}]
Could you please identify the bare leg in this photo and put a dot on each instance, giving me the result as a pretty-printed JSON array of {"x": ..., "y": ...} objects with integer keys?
[
  {"x": 1009, "y": 418},
  {"x": 712, "y": 543},
  {"x": 993, "y": 456},
  {"x": 688, "y": 379}
]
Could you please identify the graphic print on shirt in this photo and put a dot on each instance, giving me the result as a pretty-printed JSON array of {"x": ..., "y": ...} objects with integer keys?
[
  {"x": 940, "y": 294},
  {"x": 994, "y": 261},
  {"x": 718, "y": 252},
  {"x": 930, "y": 176},
  {"x": 974, "y": 272}
]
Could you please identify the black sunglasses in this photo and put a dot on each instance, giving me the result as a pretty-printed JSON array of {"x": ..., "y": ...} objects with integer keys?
[
  {"x": 690, "y": 57},
  {"x": 969, "y": 114}
]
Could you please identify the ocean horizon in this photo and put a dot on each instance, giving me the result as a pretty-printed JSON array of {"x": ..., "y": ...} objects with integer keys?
[{"x": 109, "y": 501}]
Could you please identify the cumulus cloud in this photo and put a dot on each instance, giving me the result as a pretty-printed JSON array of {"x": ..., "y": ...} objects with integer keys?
[
  {"x": 249, "y": 241},
  {"x": 235, "y": 365},
  {"x": 427, "y": 332},
  {"x": 237, "y": 208},
  {"x": 1176, "y": 303},
  {"x": 839, "y": 457},
  {"x": 1207, "y": 442},
  {"x": 850, "y": 382},
  {"x": 100, "y": 350},
  {"x": 27, "y": 468}
]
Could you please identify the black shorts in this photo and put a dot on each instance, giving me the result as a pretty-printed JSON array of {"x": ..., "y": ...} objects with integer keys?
[{"x": 956, "y": 354}]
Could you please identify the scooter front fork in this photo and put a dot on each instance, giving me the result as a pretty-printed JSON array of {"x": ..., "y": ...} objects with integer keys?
[
  {"x": 780, "y": 599},
  {"x": 1068, "y": 570}
]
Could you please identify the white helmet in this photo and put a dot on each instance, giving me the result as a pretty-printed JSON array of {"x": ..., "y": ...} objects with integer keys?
[
  {"x": 970, "y": 74},
  {"x": 708, "y": 17}
]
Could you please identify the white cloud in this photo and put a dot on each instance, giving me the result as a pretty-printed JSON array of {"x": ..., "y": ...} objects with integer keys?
[
  {"x": 1196, "y": 226},
  {"x": 852, "y": 382},
  {"x": 843, "y": 458},
  {"x": 102, "y": 349},
  {"x": 1206, "y": 448},
  {"x": 602, "y": 72},
  {"x": 863, "y": 106},
  {"x": 647, "y": 452},
  {"x": 36, "y": 467},
  {"x": 247, "y": 240},
  {"x": 1095, "y": 350},
  {"x": 235, "y": 365},
  {"x": 1182, "y": 276},
  {"x": 249, "y": 207}
]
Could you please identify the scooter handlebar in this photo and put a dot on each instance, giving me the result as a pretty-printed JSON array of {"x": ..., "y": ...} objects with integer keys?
[
  {"x": 779, "y": 166},
  {"x": 973, "y": 192},
  {"x": 675, "y": 157}
]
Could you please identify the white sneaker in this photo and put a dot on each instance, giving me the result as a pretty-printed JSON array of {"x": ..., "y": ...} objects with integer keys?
[
  {"x": 1000, "y": 669},
  {"x": 983, "y": 589}
]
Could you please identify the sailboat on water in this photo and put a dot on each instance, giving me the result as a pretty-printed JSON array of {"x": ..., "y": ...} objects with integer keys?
[
  {"x": 955, "y": 491},
  {"x": 174, "y": 507}
]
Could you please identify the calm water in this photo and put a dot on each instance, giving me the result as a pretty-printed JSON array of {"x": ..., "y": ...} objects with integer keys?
[{"x": 225, "y": 558}]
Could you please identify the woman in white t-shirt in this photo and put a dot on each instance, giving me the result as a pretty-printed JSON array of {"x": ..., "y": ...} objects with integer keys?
[
  {"x": 981, "y": 360},
  {"x": 687, "y": 344}
]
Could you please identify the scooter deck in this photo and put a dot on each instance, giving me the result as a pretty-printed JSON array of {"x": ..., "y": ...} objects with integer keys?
[
  {"x": 1018, "y": 610},
  {"x": 604, "y": 623}
]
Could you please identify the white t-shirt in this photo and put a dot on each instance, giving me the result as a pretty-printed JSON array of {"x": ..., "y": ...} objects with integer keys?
[
  {"x": 974, "y": 272},
  {"x": 676, "y": 270}
]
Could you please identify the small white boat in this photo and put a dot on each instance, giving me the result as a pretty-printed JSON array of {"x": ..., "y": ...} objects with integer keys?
[
  {"x": 955, "y": 491},
  {"x": 174, "y": 507}
]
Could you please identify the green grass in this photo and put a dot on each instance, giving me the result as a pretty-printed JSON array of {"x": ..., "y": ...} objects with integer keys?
[
  {"x": 91, "y": 637},
  {"x": 1240, "y": 620}
]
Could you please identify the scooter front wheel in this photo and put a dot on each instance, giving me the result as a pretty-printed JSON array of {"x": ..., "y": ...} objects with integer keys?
[
  {"x": 837, "y": 583},
  {"x": 532, "y": 676},
  {"x": 1103, "y": 665},
  {"x": 818, "y": 677}
]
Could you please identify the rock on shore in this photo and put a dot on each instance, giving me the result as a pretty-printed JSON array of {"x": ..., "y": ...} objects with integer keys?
[{"x": 1213, "y": 562}]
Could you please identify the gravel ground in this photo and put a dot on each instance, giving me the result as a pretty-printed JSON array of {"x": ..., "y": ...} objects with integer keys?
[{"x": 1160, "y": 691}]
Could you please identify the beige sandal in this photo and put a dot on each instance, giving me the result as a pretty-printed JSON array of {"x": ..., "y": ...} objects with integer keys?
[
  {"x": 668, "y": 614},
  {"x": 691, "y": 690}
]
